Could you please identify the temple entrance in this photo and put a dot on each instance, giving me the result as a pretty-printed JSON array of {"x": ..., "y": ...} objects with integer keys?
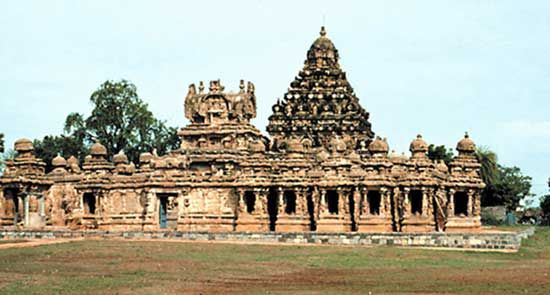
[
  {"x": 89, "y": 203},
  {"x": 272, "y": 208},
  {"x": 163, "y": 211},
  {"x": 332, "y": 201},
  {"x": 461, "y": 204},
  {"x": 12, "y": 205},
  {"x": 416, "y": 202},
  {"x": 373, "y": 200},
  {"x": 290, "y": 202},
  {"x": 352, "y": 205},
  {"x": 250, "y": 201},
  {"x": 311, "y": 212}
]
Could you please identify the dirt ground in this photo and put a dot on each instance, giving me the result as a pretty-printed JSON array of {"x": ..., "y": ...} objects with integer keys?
[{"x": 156, "y": 267}]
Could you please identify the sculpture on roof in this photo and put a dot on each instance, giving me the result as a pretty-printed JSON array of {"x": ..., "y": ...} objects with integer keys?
[
  {"x": 216, "y": 106},
  {"x": 321, "y": 170}
]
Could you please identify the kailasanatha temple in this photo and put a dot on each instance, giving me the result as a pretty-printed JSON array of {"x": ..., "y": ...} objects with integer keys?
[{"x": 321, "y": 169}]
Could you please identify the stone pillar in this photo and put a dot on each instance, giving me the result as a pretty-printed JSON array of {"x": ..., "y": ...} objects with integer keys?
[
  {"x": 396, "y": 197},
  {"x": 357, "y": 202},
  {"x": 316, "y": 200},
  {"x": 281, "y": 204},
  {"x": 265, "y": 195},
  {"x": 386, "y": 195},
  {"x": 406, "y": 203},
  {"x": 470, "y": 202},
  {"x": 258, "y": 206},
  {"x": 240, "y": 202},
  {"x": 301, "y": 201},
  {"x": 365, "y": 202},
  {"x": 424, "y": 202},
  {"x": 451, "y": 204},
  {"x": 477, "y": 202},
  {"x": 27, "y": 209},
  {"x": 42, "y": 206},
  {"x": 431, "y": 196},
  {"x": 297, "y": 201},
  {"x": 323, "y": 203},
  {"x": 343, "y": 209}
]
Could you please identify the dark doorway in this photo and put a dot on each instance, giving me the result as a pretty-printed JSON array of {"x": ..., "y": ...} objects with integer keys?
[
  {"x": 352, "y": 205},
  {"x": 332, "y": 201},
  {"x": 163, "y": 211},
  {"x": 290, "y": 202},
  {"x": 373, "y": 199},
  {"x": 250, "y": 201},
  {"x": 415, "y": 198},
  {"x": 89, "y": 203},
  {"x": 12, "y": 204},
  {"x": 311, "y": 212},
  {"x": 461, "y": 204},
  {"x": 272, "y": 208}
]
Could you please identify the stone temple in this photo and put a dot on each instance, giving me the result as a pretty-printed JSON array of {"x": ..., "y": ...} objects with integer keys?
[{"x": 322, "y": 169}]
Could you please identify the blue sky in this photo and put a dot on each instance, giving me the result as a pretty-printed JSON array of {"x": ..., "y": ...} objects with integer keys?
[{"x": 438, "y": 68}]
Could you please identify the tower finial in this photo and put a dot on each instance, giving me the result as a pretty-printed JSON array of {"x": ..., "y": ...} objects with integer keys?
[{"x": 323, "y": 32}]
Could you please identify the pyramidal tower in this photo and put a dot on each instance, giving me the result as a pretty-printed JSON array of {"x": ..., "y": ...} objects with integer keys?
[{"x": 320, "y": 104}]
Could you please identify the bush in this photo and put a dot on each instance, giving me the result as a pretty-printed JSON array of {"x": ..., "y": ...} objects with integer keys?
[{"x": 489, "y": 218}]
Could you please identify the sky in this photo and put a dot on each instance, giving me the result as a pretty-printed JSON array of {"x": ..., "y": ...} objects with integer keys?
[{"x": 436, "y": 68}]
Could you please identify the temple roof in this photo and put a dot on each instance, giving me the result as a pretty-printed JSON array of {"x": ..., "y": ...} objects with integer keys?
[{"x": 320, "y": 102}]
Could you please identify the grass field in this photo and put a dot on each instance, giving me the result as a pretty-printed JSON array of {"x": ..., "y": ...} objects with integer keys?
[{"x": 125, "y": 267}]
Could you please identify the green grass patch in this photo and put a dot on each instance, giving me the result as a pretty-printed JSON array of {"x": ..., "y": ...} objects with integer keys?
[{"x": 125, "y": 267}]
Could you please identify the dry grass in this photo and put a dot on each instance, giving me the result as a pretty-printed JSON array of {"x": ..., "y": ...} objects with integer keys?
[{"x": 125, "y": 267}]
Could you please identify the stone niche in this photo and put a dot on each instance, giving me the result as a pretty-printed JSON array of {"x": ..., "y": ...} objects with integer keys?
[{"x": 208, "y": 209}]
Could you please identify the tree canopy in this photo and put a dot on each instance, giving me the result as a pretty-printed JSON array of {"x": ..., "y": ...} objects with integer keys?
[
  {"x": 440, "y": 152},
  {"x": 1, "y": 142},
  {"x": 120, "y": 120},
  {"x": 545, "y": 206},
  {"x": 505, "y": 186},
  {"x": 489, "y": 166}
]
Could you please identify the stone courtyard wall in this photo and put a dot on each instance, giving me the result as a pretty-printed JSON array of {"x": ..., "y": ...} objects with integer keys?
[{"x": 482, "y": 241}]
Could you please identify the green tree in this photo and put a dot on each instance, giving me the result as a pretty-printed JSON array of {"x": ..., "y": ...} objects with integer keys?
[
  {"x": 440, "y": 152},
  {"x": 545, "y": 207},
  {"x": 120, "y": 120},
  {"x": 504, "y": 186},
  {"x": 489, "y": 166},
  {"x": 51, "y": 146},
  {"x": 511, "y": 187},
  {"x": 489, "y": 173},
  {"x": 1, "y": 142}
]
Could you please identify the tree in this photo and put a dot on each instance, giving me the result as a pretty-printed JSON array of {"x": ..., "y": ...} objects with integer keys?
[
  {"x": 504, "y": 186},
  {"x": 1, "y": 142},
  {"x": 120, "y": 120},
  {"x": 489, "y": 169},
  {"x": 440, "y": 152},
  {"x": 511, "y": 187},
  {"x": 489, "y": 174},
  {"x": 51, "y": 146},
  {"x": 545, "y": 207}
]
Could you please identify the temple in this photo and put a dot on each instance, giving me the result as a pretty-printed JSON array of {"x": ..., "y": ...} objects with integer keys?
[{"x": 321, "y": 169}]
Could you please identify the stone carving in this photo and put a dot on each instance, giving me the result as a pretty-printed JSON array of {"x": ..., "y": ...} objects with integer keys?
[{"x": 321, "y": 159}]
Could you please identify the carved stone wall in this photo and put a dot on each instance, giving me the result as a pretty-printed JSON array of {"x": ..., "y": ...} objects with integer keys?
[{"x": 322, "y": 170}]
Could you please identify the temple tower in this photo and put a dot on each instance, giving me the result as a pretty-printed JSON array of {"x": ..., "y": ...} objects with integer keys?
[{"x": 320, "y": 103}]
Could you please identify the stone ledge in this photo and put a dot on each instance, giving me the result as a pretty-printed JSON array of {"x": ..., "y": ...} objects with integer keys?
[{"x": 484, "y": 241}]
